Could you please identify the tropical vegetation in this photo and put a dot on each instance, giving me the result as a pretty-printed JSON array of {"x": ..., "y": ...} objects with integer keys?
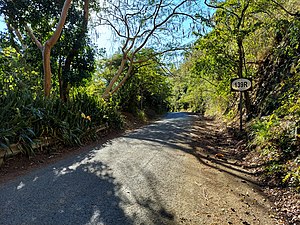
[
  {"x": 257, "y": 40},
  {"x": 55, "y": 83}
]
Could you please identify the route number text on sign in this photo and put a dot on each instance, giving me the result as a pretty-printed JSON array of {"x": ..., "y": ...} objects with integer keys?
[{"x": 241, "y": 84}]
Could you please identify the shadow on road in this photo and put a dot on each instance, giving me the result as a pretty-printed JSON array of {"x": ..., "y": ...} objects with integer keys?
[
  {"x": 203, "y": 142},
  {"x": 85, "y": 190},
  {"x": 82, "y": 193},
  {"x": 179, "y": 133}
]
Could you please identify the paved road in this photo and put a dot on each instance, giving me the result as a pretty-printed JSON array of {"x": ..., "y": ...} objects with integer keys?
[{"x": 146, "y": 177}]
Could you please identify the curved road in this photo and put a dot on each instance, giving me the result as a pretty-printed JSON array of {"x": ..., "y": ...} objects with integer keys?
[{"x": 146, "y": 177}]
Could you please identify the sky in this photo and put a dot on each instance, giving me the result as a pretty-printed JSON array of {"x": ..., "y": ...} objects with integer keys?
[
  {"x": 2, "y": 24},
  {"x": 103, "y": 41},
  {"x": 102, "y": 37}
]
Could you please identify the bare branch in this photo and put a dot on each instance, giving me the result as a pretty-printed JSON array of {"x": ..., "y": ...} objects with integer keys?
[
  {"x": 220, "y": 7},
  {"x": 33, "y": 38},
  {"x": 140, "y": 24},
  {"x": 153, "y": 56},
  {"x": 156, "y": 26},
  {"x": 156, "y": 12}
]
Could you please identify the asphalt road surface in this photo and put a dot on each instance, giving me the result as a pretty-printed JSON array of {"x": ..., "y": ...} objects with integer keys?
[{"x": 145, "y": 177}]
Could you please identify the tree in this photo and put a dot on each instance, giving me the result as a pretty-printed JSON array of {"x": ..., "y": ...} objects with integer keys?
[
  {"x": 46, "y": 48},
  {"x": 237, "y": 19},
  {"x": 242, "y": 35},
  {"x": 42, "y": 15},
  {"x": 292, "y": 5},
  {"x": 146, "y": 87},
  {"x": 202, "y": 80},
  {"x": 76, "y": 56},
  {"x": 142, "y": 24},
  {"x": 15, "y": 72}
]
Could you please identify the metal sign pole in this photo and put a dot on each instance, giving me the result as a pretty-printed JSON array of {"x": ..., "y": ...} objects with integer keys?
[{"x": 241, "y": 111}]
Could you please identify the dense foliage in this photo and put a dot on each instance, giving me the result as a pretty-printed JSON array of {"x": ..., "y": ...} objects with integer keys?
[
  {"x": 76, "y": 112},
  {"x": 28, "y": 119},
  {"x": 257, "y": 39},
  {"x": 147, "y": 88},
  {"x": 277, "y": 99},
  {"x": 73, "y": 58}
]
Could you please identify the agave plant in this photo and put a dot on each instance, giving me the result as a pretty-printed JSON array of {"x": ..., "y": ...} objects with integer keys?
[{"x": 26, "y": 119}]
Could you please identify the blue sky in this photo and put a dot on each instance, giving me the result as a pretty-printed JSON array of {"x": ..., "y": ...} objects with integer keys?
[
  {"x": 2, "y": 24},
  {"x": 104, "y": 32},
  {"x": 104, "y": 39}
]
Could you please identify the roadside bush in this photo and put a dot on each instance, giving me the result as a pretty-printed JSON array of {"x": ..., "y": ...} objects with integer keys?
[
  {"x": 26, "y": 118},
  {"x": 274, "y": 138}
]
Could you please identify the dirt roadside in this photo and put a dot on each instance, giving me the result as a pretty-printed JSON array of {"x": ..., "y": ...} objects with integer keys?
[{"x": 217, "y": 146}]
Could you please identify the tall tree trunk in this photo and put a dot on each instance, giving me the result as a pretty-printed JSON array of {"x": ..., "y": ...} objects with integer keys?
[
  {"x": 46, "y": 48},
  {"x": 64, "y": 93},
  {"x": 241, "y": 64},
  {"x": 241, "y": 57},
  {"x": 47, "y": 69},
  {"x": 248, "y": 105}
]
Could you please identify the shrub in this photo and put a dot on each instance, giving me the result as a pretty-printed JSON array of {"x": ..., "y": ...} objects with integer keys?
[
  {"x": 27, "y": 118},
  {"x": 275, "y": 139}
]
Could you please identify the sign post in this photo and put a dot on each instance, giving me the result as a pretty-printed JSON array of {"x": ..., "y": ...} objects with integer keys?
[
  {"x": 241, "y": 85},
  {"x": 241, "y": 111}
]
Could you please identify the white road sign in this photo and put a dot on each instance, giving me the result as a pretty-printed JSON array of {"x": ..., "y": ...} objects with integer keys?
[{"x": 241, "y": 84}]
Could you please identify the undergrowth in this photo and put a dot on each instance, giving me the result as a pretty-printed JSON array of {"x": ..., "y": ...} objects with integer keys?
[
  {"x": 275, "y": 133},
  {"x": 26, "y": 119},
  {"x": 277, "y": 141}
]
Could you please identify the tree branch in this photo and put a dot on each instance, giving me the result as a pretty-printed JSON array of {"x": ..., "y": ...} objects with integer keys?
[
  {"x": 284, "y": 9},
  {"x": 17, "y": 33},
  {"x": 60, "y": 24},
  {"x": 155, "y": 27},
  {"x": 124, "y": 78},
  {"x": 33, "y": 38},
  {"x": 220, "y": 7}
]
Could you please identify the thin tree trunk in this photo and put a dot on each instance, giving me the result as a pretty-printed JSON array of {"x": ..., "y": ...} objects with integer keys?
[
  {"x": 108, "y": 89},
  {"x": 60, "y": 81},
  {"x": 248, "y": 105},
  {"x": 241, "y": 57},
  {"x": 240, "y": 75},
  {"x": 64, "y": 94},
  {"x": 47, "y": 69}
]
